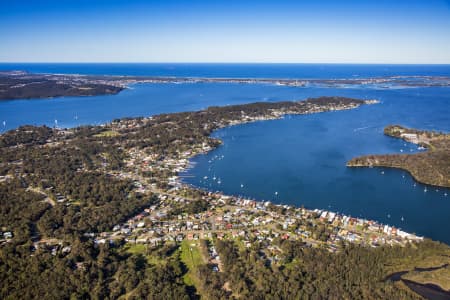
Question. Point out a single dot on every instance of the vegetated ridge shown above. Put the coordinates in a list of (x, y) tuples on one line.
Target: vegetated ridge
[(430, 167)]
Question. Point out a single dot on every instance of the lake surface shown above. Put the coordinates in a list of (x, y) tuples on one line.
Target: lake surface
[(303, 158), (300, 157), (139, 100)]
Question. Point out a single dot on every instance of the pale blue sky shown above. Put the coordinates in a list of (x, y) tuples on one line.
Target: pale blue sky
[(225, 31)]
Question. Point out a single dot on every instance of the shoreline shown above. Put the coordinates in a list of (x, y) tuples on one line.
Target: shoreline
[(26, 85), (273, 116), (176, 181), (430, 167), (165, 168), (117, 188), (179, 182)]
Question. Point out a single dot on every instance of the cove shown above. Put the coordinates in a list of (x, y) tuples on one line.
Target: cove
[(300, 160)]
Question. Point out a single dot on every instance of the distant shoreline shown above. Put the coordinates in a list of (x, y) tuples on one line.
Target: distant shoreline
[(23, 85)]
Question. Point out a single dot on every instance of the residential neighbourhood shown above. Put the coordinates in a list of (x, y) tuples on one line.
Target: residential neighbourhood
[(185, 213)]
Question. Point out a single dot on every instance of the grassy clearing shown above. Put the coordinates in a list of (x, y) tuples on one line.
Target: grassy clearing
[(135, 249), (142, 249), (191, 256), (108, 133)]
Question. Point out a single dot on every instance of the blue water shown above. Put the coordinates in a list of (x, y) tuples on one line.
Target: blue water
[(233, 70), (139, 100), (300, 157), (303, 159)]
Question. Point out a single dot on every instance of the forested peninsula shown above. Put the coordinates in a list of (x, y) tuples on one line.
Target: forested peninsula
[(98, 212), (430, 167), (22, 85)]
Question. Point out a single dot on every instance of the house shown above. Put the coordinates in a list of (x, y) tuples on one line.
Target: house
[(155, 241), (126, 231), (60, 198), (331, 217), (140, 224), (142, 240)]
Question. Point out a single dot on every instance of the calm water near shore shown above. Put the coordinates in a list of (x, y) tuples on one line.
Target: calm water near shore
[(302, 158), (139, 100)]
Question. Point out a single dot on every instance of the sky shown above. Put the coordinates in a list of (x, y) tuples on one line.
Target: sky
[(282, 31)]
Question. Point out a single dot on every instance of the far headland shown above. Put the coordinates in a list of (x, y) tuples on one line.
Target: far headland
[(430, 167), (23, 85)]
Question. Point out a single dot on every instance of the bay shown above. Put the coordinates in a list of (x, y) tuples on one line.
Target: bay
[(302, 158)]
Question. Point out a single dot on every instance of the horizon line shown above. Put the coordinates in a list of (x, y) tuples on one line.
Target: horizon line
[(219, 62)]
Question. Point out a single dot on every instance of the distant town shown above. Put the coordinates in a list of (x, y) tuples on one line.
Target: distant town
[(21, 84)]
